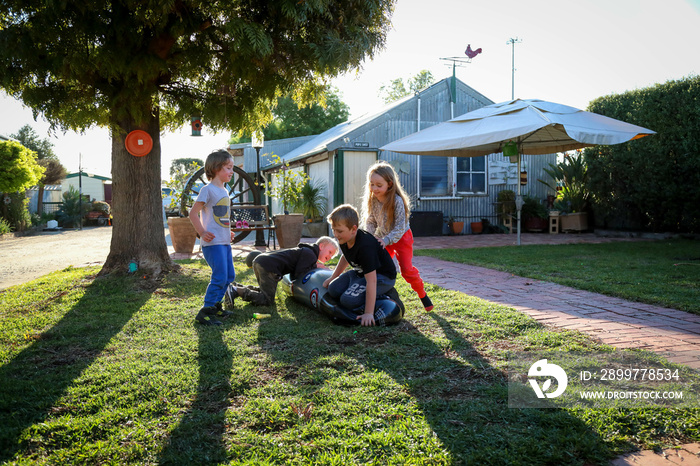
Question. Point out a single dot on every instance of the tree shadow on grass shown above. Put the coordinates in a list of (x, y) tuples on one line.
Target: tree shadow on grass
[(39, 375), (198, 438), (462, 397)]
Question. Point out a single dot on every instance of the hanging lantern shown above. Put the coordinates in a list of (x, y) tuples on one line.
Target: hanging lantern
[(523, 177), (196, 126)]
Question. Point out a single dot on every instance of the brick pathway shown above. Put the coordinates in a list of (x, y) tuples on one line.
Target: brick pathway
[(613, 321)]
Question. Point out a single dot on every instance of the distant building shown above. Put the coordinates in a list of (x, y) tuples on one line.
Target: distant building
[(98, 188)]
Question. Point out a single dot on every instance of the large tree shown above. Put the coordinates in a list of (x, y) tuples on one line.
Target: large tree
[(151, 65), (292, 119)]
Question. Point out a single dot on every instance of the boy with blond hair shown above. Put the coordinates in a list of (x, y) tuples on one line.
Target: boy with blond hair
[(270, 267)]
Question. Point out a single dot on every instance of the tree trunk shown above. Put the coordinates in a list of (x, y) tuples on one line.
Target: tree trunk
[(137, 233), (40, 200)]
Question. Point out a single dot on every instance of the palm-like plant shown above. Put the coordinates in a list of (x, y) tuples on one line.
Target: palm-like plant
[(312, 202), (72, 210), (570, 182)]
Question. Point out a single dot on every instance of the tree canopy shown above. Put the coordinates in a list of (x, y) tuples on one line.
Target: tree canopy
[(54, 171), (151, 65), (396, 89), (19, 169), (184, 165), (29, 138), (293, 120)]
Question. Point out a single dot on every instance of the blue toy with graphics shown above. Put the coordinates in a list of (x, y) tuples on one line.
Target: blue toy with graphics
[(309, 291)]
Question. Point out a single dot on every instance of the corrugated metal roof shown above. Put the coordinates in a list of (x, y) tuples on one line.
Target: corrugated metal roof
[(332, 139), (325, 141)]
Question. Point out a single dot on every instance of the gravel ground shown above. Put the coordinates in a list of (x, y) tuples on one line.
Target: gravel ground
[(26, 258)]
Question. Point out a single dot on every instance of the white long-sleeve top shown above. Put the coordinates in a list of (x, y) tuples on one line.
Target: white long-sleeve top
[(377, 221)]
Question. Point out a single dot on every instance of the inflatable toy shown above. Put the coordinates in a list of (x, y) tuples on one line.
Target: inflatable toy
[(309, 291)]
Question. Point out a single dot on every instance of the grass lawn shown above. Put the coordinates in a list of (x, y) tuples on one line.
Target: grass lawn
[(664, 273), (106, 371)]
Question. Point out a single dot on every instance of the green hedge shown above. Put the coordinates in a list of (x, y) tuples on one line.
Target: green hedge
[(653, 183)]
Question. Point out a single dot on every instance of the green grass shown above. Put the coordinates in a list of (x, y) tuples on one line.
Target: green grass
[(664, 273), (110, 371)]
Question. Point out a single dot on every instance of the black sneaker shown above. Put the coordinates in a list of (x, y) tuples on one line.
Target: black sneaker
[(427, 303), (221, 312), (205, 316), (230, 295)]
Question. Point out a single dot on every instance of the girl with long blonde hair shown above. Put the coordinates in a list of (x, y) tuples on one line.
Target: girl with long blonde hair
[(385, 212)]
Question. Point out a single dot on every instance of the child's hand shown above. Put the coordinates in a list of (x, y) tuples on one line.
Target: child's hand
[(207, 236), (366, 320), (326, 282), (233, 235), (381, 241), (321, 265)]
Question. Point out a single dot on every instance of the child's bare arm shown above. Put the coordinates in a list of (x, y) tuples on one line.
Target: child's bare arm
[(197, 223), (367, 319), (342, 265)]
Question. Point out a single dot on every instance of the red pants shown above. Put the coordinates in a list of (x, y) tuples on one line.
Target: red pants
[(403, 251)]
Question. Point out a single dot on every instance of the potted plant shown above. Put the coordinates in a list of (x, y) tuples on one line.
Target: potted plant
[(506, 208), (455, 226), (182, 233), (570, 182), (287, 188), (535, 215), (476, 227), (312, 204)]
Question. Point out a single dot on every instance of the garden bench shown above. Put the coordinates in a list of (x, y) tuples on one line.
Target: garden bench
[(256, 217)]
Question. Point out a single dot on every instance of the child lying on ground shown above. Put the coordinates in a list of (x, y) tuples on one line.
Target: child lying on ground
[(270, 267)]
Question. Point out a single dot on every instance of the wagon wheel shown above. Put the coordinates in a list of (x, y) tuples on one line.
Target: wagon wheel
[(242, 191)]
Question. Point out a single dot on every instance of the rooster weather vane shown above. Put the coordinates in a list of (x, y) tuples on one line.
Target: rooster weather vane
[(472, 53)]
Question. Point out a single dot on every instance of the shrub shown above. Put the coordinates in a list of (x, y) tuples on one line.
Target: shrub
[(650, 183), (5, 227), (72, 211), (101, 206), (14, 210)]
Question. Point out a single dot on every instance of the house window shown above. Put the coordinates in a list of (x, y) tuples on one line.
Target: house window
[(433, 176), (438, 175), (471, 175)]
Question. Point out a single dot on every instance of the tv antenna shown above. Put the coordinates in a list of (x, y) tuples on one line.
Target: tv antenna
[(512, 42), (456, 61)]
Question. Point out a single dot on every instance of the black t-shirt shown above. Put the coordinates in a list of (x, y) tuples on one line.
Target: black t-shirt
[(294, 261), (367, 254)]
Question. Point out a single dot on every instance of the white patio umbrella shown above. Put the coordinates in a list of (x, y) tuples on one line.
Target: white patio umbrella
[(535, 126)]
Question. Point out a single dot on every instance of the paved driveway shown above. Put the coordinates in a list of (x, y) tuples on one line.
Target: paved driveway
[(26, 258)]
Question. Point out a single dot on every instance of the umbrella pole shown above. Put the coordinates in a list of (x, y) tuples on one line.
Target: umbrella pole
[(519, 198)]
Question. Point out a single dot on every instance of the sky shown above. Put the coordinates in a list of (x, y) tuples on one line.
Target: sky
[(566, 52)]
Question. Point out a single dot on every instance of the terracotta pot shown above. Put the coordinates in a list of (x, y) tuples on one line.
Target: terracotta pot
[(574, 222), (456, 227), (288, 229), (477, 227), (182, 234)]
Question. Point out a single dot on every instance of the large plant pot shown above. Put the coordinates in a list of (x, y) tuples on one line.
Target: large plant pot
[(182, 234), (288, 228), (535, 224), (476, 227), (574, 222), (315, 229), (456, 228)]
